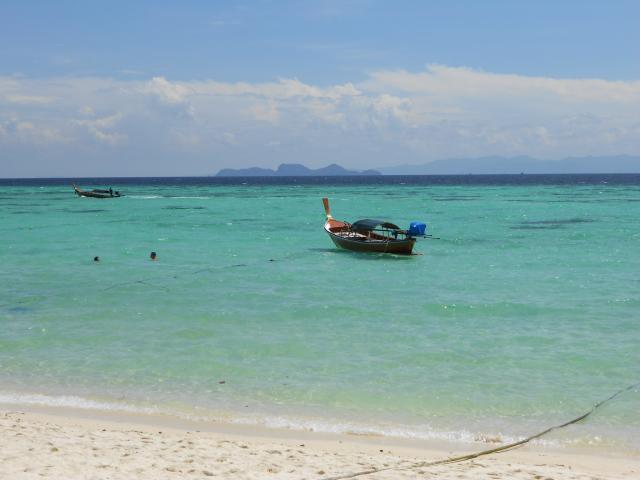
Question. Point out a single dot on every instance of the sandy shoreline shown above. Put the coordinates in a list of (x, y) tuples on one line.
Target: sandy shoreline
[(76, 444)]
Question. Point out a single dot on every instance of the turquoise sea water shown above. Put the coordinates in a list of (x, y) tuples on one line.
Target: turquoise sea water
[(524, 313)]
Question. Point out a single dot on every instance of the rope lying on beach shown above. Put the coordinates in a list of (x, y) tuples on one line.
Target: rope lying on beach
[(471, 456)]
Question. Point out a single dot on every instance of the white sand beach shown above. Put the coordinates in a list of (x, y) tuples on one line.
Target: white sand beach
[(73, 444)]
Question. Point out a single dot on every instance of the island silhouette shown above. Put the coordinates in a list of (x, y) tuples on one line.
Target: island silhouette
[(293, 170)]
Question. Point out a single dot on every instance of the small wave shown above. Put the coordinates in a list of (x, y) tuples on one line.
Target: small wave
[(417, 432), (198, 198), (72, 402), (93, 210), (294, 423), (421, 432), (177, 207)]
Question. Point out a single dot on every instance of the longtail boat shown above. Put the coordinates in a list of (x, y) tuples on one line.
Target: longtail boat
[(96, 193), (371, 235)]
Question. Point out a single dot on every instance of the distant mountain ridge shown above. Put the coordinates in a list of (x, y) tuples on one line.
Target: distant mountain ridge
[(522, 164), (292, 170), (459, 166)]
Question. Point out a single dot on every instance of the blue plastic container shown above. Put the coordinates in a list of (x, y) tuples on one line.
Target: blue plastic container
[(417, 229)]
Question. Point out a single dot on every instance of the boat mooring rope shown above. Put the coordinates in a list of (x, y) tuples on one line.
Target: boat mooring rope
[(471, 456)]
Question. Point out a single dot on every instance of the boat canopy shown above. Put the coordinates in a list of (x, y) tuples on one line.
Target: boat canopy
[(368, 224)]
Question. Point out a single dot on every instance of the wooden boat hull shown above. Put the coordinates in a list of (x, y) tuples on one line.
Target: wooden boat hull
[(357, 244), (93, 195), (85, 193)]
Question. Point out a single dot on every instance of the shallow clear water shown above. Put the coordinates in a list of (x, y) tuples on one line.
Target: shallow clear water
[(524, 313)]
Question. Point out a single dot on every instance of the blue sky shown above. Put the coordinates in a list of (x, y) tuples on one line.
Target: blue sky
[(187, 88)]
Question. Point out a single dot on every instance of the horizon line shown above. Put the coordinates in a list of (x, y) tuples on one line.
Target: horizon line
[(323, 176)]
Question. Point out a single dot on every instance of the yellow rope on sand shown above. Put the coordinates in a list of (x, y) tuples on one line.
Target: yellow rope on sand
[(471, 456)]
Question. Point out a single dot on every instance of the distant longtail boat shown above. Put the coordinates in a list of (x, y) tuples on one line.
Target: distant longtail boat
[(96, 193)]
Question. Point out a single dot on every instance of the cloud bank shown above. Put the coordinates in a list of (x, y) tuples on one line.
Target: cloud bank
[(76, 126)]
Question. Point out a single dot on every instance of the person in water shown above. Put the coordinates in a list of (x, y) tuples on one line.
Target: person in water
[(96, 259), (153, 256)]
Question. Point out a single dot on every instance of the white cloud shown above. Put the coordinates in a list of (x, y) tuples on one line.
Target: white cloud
[(87, 111), (230, 138), (285, 88), (187, 139), (456, 82), (29, 99), (267, 112), (14, 131), (324, 111), (390, 106), (392, 116), (99, 128), (166, 91), (103, 122), (109, 138)]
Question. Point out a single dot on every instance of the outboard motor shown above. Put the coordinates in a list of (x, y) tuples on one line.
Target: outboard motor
[(417, 229)]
